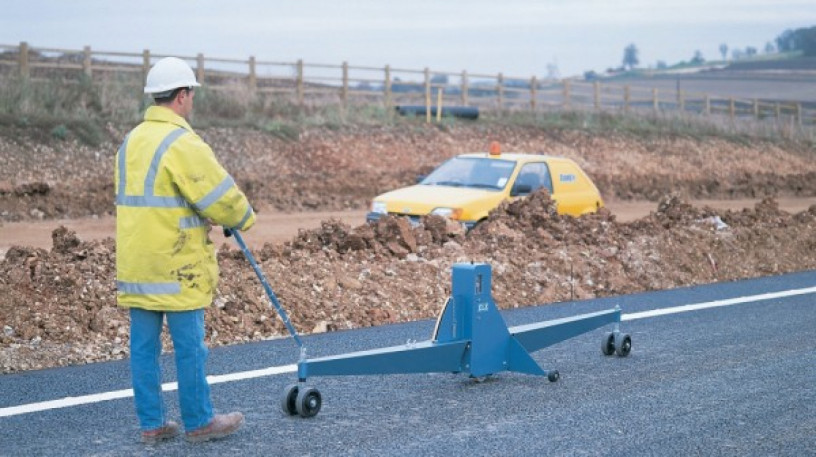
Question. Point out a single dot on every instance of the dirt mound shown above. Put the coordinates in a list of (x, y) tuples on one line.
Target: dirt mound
[(59, 305), (338, 169)]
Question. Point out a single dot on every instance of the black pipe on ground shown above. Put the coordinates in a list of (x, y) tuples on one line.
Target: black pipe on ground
[(461, 112)]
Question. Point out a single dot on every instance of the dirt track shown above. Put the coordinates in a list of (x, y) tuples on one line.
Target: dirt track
[(275, 227)]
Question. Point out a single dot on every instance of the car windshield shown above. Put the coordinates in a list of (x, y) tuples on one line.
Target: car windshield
[(476, 172)]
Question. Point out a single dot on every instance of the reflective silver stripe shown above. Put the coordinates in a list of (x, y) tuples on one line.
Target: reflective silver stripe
[(214, 194), (152, 201), (123, 166), (246, 216), (191, 222), (152, 288), (150, 179), (149, 199)]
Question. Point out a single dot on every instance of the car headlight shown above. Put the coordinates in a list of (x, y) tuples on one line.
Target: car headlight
[(450, 213), (379, 207)]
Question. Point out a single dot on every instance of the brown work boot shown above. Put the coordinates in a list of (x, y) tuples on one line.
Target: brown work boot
[(165, 432), (220, 426)]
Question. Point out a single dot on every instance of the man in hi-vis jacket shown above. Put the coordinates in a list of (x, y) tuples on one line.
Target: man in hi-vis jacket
[(169, 189)]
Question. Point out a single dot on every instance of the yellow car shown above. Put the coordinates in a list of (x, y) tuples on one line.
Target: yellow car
[(466, 187)]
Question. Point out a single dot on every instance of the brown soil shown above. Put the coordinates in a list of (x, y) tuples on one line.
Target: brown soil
[(57, 304)]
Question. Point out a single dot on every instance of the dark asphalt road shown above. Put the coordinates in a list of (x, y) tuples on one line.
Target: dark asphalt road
[(734, 381)]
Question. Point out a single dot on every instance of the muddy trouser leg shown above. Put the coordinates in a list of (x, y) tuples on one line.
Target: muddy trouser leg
[(187, 331)]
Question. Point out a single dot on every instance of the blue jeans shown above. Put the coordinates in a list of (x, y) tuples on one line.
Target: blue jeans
[(187, 333)]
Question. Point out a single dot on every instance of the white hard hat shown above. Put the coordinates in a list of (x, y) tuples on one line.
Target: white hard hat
[(168, 74)]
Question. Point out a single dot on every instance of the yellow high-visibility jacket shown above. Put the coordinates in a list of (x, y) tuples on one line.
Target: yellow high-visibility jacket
[(168, 186)]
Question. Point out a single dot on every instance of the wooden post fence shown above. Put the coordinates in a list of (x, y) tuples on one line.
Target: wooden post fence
[(427, 95), (253, 76), (655, 102), (82, 63), (24, 70), (200, 68), (464, 83), (387, 87), (299, 81), (86, 62), (344, 92), (145, 63), (500, 90), (627, 97), (566, 94), (732, 108), (596, 86), (533, 88)]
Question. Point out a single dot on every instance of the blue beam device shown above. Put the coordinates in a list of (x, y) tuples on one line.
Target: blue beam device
[(470, 337)]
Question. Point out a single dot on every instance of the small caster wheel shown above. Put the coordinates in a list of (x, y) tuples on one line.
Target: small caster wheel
[(308, 402), (290, 394), (608, 344), (623, 344), (553, 376)]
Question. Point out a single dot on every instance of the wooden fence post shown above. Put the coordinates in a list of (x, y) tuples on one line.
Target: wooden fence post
[(799, 114), (500, 90), (387, 86), (756, 109), (627, 97), (681, 100), (777, 111), (23, 60), (427, 95), (200, 68), (86, 62), (344, 92), (732, 109), (145, 64), (707, 107), (533, 95), (596, 86), (299, 81), (655, 102), (464, 88), (253, 76), (566, 103)]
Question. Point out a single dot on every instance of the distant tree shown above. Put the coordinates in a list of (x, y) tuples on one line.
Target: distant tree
[(769, 48), (698, 58), (786, 42), (661, 65), (590, 75), (803, 39), (807, 41), (750, 51), (724, 50), (630, 56)]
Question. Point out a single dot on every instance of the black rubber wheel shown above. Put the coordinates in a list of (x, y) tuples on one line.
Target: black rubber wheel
[(608, 344), (623, 344), (308, 402), (553, 376), (290, 394)]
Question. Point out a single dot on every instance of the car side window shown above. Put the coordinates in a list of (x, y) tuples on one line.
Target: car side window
[(536, 175)]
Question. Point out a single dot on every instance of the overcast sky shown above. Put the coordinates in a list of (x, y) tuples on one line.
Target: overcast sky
[(516, 37)]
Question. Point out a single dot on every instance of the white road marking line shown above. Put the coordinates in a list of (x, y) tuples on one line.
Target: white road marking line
[(126, 393), (716, 304), (271, 371)]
